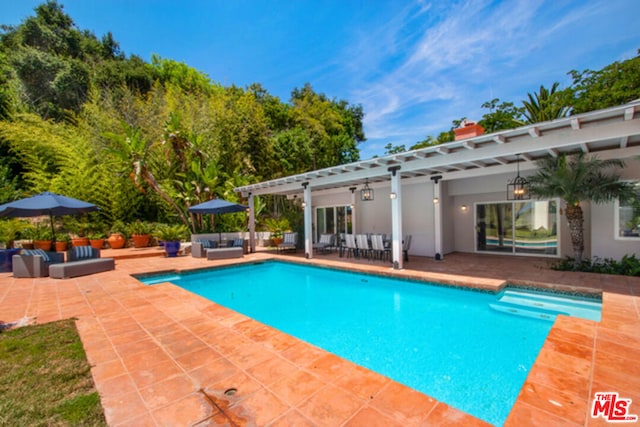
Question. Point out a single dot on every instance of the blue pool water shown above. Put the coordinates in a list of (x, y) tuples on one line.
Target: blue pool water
[(448, 343)]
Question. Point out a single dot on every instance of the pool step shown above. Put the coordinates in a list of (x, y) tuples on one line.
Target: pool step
[(163, 279), (545, 305), (520, 310)]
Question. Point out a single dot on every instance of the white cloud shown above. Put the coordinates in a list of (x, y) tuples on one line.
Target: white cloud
[(440, 63)]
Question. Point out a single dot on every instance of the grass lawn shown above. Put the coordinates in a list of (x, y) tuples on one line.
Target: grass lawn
[(45, 379)]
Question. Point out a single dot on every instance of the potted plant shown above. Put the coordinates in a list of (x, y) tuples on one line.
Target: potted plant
[(8, 232), (96, 239), (140, 233), (171, 235), (62, 242), (26, 236), (277, 227), (117, 235), (79, 228), (42, 237)]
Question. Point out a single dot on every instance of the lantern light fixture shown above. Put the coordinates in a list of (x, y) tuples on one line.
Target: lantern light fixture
[(518, 188), (366, 194)]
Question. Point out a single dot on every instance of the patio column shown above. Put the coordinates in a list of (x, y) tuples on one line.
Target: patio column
[(252, 225), (308, 233), (353, 211), (396, 218), (437, 216)]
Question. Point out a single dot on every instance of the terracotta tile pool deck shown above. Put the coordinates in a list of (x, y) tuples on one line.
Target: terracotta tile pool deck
[(162, 356)]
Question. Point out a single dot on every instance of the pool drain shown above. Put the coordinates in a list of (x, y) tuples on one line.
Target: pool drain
[(230, 391)]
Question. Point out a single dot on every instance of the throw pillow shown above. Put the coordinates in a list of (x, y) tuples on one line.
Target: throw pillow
[(238, 243), (82, 252), (41, 252), (206, 244)]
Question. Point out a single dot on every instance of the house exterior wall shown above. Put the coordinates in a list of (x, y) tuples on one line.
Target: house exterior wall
[(493, 189), (604, 241), (459, 225)]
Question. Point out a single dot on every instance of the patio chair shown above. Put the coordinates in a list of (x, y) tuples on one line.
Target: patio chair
[(35, 262), (289, 241), (364, 249), (350, 246), (406, 245), (377, 247), (325, 242)]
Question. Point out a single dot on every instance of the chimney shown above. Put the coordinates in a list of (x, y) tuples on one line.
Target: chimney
[(468, 129)]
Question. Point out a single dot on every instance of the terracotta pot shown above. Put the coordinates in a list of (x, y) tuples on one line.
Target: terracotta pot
[(80, 241), (116, 241), (45, 245), (27, 245), (276, 240), (96, 243), (141, 240), (61, 246)]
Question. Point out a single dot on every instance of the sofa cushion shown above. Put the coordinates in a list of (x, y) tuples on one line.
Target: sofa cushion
[(82, 252), (81, 267), (208, 244), (41, 252), (238, 243)]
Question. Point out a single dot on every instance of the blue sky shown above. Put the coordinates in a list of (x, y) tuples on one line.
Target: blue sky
[(414, 66)]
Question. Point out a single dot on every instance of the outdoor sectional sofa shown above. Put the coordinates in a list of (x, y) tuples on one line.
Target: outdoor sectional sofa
[(80, 260), (207, 246), (35, 263)]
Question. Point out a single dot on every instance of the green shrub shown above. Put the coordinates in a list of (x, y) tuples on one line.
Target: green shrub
[(629, 265), (171, 233)]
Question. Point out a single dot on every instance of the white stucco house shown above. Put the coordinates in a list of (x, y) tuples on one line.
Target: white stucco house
[(454, 197)]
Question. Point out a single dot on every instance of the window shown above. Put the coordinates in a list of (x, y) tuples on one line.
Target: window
[(517, 227), (628, 217)]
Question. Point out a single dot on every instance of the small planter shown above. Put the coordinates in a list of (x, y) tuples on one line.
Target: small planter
[(172, 248), (45, 245), (276, 240), (61, 246), (27, 245), (140, 240), (80, 241), (96, 243), (116, 241)]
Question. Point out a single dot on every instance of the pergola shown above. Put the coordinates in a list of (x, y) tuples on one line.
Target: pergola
[(610, 133)]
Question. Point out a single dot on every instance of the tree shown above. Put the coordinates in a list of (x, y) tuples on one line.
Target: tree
[(615, 84), (334, 127), (501, 116), (136, 152), (394, 149), (579, 179), (547, 104)]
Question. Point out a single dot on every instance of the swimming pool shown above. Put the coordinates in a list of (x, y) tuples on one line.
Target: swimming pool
[(447, 343)]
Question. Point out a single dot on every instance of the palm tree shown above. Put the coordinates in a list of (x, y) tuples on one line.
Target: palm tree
[(579, 179), (545, 105)]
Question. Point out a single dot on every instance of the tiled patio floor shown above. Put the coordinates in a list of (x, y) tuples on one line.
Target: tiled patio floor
[(163, 357)]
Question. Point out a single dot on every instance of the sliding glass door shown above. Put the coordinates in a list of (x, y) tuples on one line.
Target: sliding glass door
[(333, 220), (517, 227)]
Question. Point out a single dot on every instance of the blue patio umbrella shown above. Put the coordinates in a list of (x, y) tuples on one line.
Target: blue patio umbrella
[(46, 204), (217, 206)]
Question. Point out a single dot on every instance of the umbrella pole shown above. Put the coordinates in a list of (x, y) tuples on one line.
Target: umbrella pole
[(53, 231)]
